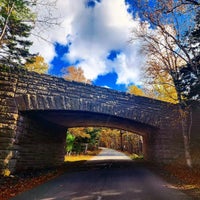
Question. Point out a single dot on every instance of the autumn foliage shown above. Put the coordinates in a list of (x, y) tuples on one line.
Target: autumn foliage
[(39, 65), (73, 73)]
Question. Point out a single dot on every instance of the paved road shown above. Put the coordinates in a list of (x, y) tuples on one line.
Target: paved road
[(110, 155), (109, 176)]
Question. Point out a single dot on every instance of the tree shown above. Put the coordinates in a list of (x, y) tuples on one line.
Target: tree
[(162, 32), (38, 65), (132, 143), (75, 138), (45, 17), (133, 89), (157, 90), (189, 76), (17, 22), (74, 74), (14, 31), (83, 138), (79, 132), (94, 137), (69, 142), (111, 138), (164, 89)]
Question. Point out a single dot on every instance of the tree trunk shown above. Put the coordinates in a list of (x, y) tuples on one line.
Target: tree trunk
[(6, 23), (186, 136)]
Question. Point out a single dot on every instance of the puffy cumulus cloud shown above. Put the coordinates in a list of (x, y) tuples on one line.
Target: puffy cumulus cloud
[(129, 64), (43, 47), (53, 26), (94, 29)]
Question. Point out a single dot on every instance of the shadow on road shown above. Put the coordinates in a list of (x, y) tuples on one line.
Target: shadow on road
[(109, 176), (104, 180)]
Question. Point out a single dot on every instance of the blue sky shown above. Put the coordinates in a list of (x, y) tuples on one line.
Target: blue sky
[(94, 35)]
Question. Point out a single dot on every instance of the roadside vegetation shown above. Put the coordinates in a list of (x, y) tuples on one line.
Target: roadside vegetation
[(82, 157), (84, 141), (136, 157), (180, 177)]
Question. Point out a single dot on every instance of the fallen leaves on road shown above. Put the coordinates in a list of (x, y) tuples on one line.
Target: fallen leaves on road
[(180, 177), (188, 178), (13, 185)]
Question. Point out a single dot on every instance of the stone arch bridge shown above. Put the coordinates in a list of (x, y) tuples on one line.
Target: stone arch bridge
[(36, 111)]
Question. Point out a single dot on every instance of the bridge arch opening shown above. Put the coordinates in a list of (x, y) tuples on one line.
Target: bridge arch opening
[(82, 140), (43, 140)]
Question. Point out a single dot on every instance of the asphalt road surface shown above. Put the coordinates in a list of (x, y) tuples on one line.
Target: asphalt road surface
[(109, 176)]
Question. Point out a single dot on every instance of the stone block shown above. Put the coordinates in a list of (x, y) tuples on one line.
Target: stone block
[(20, 102)]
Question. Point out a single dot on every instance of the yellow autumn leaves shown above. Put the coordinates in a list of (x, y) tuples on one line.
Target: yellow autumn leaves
[(39, 65)]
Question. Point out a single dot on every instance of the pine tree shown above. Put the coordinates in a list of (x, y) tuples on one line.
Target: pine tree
[(15, 27), (189, 76)]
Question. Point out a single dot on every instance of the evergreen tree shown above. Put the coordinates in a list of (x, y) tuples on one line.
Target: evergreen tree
[(16, 20), (189, 77)]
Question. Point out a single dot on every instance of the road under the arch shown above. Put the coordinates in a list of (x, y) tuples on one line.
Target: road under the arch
[(109, 176)]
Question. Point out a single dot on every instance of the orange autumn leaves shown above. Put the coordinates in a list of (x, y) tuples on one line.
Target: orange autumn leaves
[(75, 74)]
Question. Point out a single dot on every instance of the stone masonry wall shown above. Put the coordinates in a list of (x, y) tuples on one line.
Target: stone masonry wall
[(41, 144), (8, 121), (24, 140), (43, 92)]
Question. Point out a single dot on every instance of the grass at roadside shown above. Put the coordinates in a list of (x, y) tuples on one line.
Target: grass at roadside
[(75, 158), (136, 157)]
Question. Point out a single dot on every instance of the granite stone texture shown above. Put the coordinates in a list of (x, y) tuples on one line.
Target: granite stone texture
[(36, 110)]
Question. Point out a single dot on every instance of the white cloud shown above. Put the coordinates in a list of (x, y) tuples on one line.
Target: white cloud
[(129, 64), (93, 33)]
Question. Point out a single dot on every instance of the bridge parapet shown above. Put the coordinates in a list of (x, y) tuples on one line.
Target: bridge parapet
[(42, 92)]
